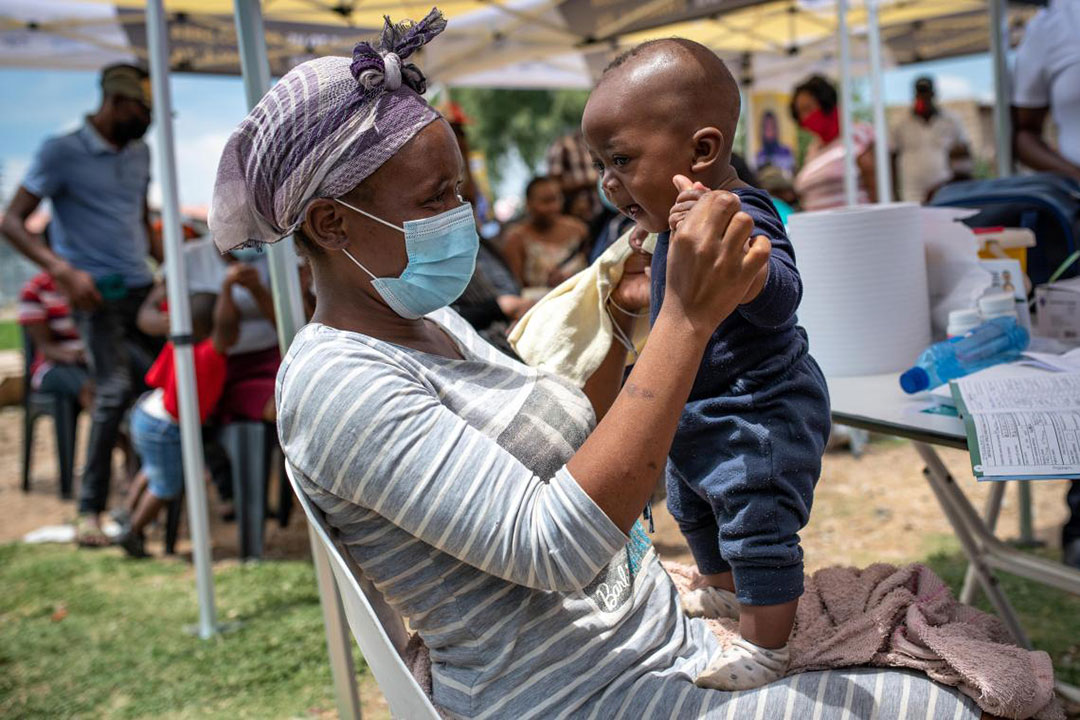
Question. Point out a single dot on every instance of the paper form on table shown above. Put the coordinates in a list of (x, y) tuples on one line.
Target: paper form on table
[(1021, 426), (1068, 362)]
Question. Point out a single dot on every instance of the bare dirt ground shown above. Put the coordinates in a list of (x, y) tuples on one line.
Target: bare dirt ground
[(876, 508)]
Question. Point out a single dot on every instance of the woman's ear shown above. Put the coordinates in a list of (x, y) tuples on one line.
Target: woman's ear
[(708, 147), (324, 225)]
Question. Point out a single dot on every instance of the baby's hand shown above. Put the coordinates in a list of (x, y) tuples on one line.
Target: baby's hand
[(689, 194), (637, 239)]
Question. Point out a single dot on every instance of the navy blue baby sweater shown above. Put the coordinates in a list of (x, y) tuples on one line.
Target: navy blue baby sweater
[(760, 340)]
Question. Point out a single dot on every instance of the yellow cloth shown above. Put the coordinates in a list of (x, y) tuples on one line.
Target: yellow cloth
[(569, 332)]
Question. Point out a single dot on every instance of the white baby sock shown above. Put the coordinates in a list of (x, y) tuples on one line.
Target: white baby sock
[(744, 666), (710, 602)]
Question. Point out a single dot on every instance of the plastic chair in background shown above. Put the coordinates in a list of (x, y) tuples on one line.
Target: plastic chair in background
[(378, 629), (172, 523), (63, 410), (250, 447)]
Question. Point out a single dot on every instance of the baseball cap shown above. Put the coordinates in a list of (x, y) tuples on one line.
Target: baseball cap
[(127, 81)]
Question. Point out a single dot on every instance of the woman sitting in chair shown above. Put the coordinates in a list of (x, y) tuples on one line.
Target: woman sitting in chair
[(494, 506)]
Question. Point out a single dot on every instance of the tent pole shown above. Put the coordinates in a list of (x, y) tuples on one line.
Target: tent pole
[(850, 178), (289, 311), (1002, 124), (882, 165), (180, 319), (751, 134)]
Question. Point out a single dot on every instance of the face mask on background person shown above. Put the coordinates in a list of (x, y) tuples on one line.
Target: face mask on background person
[(441, 252), (825, 125), (246, 254)]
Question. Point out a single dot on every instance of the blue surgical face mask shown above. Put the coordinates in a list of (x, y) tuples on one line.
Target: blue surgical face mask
[(441, 253), (246, 254)]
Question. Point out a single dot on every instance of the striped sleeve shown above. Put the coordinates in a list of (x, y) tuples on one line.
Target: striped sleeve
[(368, 432), (862, 137), (31, 308)]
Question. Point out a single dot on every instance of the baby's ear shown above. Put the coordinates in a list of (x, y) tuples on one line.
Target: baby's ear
[(709, 146)]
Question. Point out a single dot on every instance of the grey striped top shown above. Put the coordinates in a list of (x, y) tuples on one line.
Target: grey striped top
[(446, 479)]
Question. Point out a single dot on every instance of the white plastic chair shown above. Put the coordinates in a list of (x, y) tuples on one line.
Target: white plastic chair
[(378, 629)]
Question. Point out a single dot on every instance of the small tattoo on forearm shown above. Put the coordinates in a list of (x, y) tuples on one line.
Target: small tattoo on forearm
[(639, 392)]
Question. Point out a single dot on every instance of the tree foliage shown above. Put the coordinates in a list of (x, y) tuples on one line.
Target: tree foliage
[(528, 120)]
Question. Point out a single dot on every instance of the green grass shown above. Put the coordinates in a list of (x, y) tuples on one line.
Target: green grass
[(10, 335), (1050, 617), (121, 651)]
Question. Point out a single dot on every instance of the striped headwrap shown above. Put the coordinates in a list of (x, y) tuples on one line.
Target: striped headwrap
[(324, 127)]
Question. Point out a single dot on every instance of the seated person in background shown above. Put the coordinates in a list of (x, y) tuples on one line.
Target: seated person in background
[(59, 363), (254, 359), (581, 204), (747, 452), (781, 191), (545, 248), (155, 429)]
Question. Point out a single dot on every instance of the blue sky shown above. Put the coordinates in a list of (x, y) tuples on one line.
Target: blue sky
[(43, 103)]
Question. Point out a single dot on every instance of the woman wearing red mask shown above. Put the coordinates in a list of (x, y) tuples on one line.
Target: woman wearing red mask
[(820, 182)]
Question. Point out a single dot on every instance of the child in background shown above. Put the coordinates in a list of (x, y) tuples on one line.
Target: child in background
[(59, 362), (155, 429), (747, 454)]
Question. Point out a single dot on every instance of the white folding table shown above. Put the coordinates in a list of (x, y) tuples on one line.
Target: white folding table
[(876, 403)]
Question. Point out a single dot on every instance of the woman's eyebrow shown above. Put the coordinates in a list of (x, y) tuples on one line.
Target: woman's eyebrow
[(431, 186)]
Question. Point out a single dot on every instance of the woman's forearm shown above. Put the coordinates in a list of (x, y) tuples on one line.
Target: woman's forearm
[(620, 462)]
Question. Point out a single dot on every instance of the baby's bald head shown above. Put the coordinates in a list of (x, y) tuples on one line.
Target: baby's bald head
[(682, 79), (665, 108)]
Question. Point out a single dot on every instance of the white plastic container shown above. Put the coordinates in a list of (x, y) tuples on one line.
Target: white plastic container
[(961, 322), (997, 305)]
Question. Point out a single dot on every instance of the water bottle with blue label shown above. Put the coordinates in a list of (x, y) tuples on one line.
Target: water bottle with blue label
[(994, 342)]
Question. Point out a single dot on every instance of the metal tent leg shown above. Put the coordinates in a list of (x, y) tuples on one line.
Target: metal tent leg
[(986, 553), (990, 517), (944, 486)]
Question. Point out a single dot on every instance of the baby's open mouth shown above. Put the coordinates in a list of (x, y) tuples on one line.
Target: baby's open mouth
[(632, 211)]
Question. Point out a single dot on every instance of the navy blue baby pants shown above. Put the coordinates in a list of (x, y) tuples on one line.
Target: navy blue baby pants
[(741, 477)]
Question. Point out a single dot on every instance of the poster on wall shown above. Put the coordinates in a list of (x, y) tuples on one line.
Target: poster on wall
[(773, 136)]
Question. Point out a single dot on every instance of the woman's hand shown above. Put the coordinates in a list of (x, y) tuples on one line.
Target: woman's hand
[(712, 262), (244, 275), (632, 292)]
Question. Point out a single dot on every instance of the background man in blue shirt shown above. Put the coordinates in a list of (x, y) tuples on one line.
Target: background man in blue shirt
[(96, 179)]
